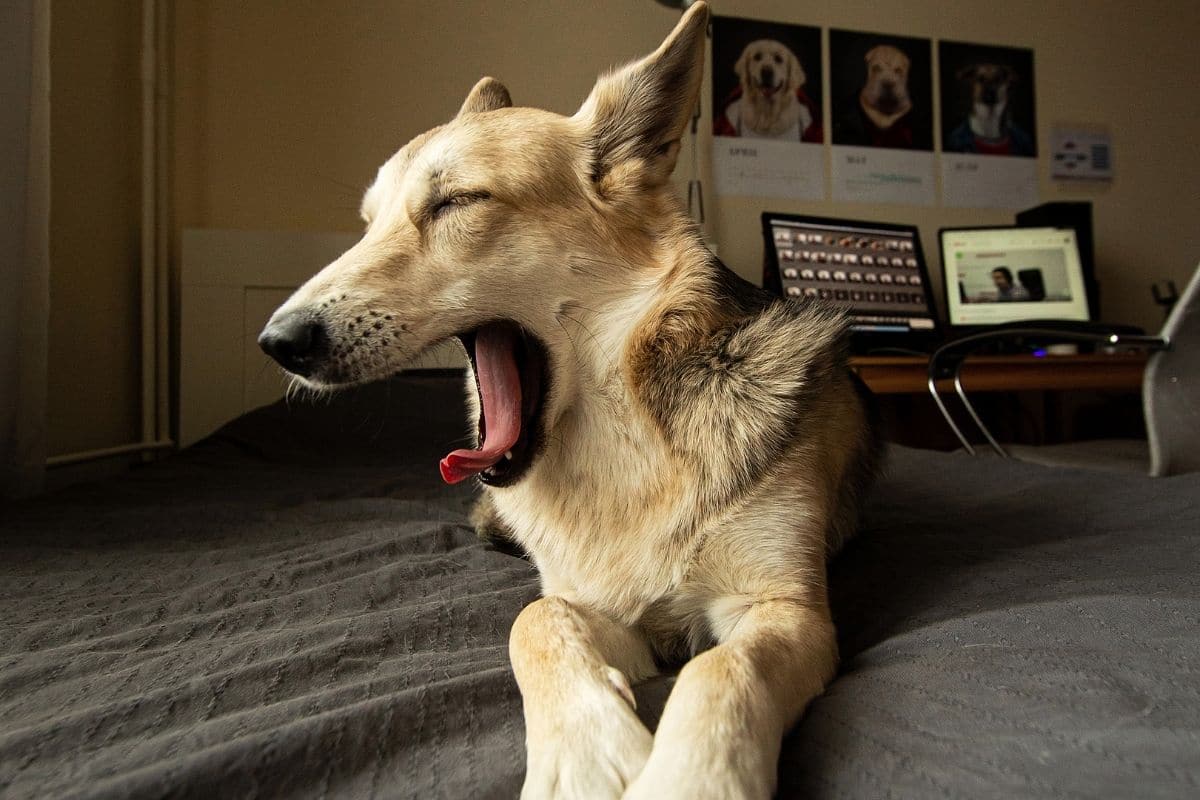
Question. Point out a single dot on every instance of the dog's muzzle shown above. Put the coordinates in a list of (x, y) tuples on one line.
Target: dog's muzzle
[(767, 82), (297, 340)]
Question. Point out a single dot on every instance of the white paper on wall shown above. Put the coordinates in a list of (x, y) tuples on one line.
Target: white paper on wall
[(882, 175), (974, 181), (1081, 154), (768, 168)]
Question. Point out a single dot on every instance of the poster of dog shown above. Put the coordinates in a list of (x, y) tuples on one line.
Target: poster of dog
[(768, 124), (987, 100), (766, 80), (882, 90)]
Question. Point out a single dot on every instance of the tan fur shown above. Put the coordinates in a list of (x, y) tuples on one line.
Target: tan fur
[(705, 445)]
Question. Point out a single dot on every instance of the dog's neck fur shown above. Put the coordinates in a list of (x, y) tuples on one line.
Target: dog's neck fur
[(606, 459), (878, 118), (989, 122), (603, 464), (684, 411)]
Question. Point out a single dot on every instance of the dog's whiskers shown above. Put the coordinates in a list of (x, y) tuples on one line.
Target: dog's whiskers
[(293, 389), (603, 352), (567, 333)]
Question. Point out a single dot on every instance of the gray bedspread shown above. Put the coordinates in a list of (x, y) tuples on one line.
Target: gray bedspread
[(295, 607)]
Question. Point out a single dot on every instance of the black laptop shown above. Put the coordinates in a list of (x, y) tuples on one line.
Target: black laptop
[(875, 271)]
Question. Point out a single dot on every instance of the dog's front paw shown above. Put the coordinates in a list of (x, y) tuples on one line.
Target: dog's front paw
[(653, 783), (704, 767), (592, 750)]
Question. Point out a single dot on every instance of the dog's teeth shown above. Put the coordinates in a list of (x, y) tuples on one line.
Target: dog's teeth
[(508, 456)]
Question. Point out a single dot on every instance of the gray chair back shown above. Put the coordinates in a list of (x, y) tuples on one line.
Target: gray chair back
[(1171, 389)]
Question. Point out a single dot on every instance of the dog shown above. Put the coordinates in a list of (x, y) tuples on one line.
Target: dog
[(677, 451), (988, 128), (881, 114), (884, 97), (769, 101)]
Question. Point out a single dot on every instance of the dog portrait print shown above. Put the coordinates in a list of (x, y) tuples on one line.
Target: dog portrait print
[(766, 80), (987, 100), (882, 90)]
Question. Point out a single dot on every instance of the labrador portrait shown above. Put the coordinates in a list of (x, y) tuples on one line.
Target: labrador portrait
[(771, 94)]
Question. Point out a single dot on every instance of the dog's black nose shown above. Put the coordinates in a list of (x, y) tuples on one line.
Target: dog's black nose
[(296, 340), (768, 77)]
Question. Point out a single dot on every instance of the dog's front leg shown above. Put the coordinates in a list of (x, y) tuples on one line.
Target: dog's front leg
[(574, 667), (720, 732)]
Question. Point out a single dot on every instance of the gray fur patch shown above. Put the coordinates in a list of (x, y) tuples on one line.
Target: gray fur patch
[(732, 400)]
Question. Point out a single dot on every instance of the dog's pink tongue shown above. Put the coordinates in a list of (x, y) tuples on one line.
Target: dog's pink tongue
[(500, 385)]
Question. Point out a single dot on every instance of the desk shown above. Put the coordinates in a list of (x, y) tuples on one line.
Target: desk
[(908, 374)]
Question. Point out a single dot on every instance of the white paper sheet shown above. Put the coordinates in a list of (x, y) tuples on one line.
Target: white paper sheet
[(975, 181), (768, 168), (882, 175)]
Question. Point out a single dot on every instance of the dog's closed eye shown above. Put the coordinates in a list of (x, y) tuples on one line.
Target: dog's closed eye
[(440, 206)]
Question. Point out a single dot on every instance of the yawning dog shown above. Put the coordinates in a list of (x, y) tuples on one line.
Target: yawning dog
[(677, 451)]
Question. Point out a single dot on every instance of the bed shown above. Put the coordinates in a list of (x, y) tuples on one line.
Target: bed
[(295, 606)]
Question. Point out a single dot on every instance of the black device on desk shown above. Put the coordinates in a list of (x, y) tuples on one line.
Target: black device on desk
[(874, 271)]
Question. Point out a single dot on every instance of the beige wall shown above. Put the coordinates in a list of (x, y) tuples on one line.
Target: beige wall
[(93, 359), (286, 109)]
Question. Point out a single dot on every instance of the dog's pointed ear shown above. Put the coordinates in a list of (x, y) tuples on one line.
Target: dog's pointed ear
[(487, 95), (636, 115)]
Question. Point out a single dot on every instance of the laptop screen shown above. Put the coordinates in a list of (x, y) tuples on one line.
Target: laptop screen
[(998, 275), (874, 271)]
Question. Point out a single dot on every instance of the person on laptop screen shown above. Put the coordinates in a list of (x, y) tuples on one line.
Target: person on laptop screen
[(1006, 290)]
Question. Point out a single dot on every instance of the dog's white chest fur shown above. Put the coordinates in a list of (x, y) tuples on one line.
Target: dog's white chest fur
[(605, 512), (751, 122), (988, 121)]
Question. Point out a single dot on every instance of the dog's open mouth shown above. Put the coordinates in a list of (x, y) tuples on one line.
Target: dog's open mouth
[(768, 89), (510, 376)]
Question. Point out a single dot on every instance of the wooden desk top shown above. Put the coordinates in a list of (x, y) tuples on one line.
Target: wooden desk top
[(908, 374)]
